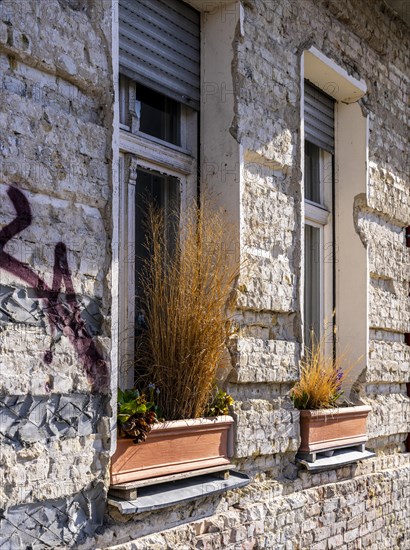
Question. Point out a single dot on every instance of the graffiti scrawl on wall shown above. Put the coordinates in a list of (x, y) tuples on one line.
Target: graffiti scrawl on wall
[(63, 316)]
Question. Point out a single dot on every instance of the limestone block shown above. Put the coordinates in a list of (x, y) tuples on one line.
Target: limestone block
[(388, 255), (79, 227), (65, 47), (264, 428), (389, 305), (71, 154), (388, 362), (260, 360), (390, 411), (317, 516)]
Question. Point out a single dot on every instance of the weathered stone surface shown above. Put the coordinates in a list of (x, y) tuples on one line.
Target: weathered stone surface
[(85, 62), (389, 305), (26, 419), (388, 256), (390, 410), (57, 523), (390, 194), (352, 503), (269, 223), (22, 306), (56, 110), (259, 360), (389, 361), (265, 427)]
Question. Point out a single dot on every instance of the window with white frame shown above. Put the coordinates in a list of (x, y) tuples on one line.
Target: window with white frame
[(159, 89), (319, 205), (346, 254)]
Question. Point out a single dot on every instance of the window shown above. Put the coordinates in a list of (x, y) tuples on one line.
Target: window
[(158, 95), (149, 113), (330, 93), (158, 105), (319, 198)]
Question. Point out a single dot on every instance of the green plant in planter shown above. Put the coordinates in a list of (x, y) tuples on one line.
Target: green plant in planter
[(219, 405), (186, 291), (136, 414), (321, 377)]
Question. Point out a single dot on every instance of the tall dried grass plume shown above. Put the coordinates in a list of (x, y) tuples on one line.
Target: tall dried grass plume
[(186, 292)]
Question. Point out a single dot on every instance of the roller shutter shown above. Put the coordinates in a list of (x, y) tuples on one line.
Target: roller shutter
[(159, 47), (319, 118)]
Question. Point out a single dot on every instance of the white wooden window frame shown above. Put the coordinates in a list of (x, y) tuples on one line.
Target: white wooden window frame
[(220, 22), (319, 215), (351, 181), (138, 150), (130, 108)]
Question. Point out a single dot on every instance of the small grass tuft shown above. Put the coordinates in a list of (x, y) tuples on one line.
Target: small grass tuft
[(321, 377)]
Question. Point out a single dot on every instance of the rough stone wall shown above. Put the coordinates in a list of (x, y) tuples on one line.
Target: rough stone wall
[(364, 506), (55, 229), (373, 47), (55, 146), (360, 506)]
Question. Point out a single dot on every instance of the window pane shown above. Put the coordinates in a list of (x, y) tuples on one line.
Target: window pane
[(312, 282), (160, 116), (163, 192), (312, 172)]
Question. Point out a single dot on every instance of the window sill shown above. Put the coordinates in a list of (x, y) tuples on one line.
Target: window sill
[(340, 457), (155, 494)]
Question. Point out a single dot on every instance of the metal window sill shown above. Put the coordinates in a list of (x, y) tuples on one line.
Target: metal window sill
[(165, 494)]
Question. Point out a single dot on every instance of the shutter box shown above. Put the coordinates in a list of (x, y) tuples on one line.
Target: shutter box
[(159, 47)]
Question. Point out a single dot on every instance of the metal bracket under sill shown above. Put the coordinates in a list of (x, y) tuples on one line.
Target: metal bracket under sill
[(340, 457), (157, 493)]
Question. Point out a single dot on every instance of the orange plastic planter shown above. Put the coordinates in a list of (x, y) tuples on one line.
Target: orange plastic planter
[(174, 447), (333, 428)]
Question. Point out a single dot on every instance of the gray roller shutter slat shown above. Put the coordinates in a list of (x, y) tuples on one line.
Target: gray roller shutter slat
[(157, 36), (148, 76), (176, 12), (159, 47), (319, 118), (154, 15), (182, 9), (322, 118), (146, 55)]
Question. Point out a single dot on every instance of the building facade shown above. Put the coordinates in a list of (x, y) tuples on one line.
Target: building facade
[(295, 115)]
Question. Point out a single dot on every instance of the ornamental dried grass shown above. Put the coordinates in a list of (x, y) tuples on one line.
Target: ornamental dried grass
[(321, 377), (186, 290)]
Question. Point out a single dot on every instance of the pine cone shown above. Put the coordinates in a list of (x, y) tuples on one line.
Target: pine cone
[(138, 427)]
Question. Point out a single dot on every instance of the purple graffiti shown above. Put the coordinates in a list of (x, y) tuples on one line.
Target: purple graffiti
[(63, 316)]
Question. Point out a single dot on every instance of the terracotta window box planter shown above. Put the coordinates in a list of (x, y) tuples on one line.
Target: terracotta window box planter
[(329, 429), (174, 447)]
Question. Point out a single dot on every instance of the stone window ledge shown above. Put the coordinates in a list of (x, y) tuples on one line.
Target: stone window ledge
[(340, 457), (156, 494)]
